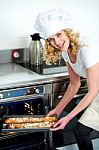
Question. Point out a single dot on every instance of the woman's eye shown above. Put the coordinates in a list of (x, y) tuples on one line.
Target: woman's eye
[(59, 34), (51, 40)]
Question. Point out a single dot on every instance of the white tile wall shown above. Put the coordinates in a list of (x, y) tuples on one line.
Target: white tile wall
[(17, 18), (13, 32), (2, 29)]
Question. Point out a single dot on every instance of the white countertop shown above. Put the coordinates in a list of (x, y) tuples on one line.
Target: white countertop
[(11, 74)]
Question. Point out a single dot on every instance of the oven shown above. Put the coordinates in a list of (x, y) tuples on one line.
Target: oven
[(35, 98), (59, 87), (22, 92), (26, 101)]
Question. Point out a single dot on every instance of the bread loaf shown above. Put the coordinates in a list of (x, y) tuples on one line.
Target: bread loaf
[(31, 125), (30, 120)]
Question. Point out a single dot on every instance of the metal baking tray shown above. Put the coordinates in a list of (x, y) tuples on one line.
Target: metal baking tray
[(25, 130), (5, 129)]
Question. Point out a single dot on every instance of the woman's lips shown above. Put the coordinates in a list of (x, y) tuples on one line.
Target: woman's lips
[(61, 46)]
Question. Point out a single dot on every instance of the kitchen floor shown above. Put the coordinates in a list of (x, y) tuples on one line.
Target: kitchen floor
[(74, 146)]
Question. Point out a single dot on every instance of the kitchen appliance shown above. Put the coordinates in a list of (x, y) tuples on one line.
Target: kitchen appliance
[(23, 91), (23, 101), (36, 50)]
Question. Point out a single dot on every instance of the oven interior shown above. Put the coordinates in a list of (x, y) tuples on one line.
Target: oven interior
[(23, 140)]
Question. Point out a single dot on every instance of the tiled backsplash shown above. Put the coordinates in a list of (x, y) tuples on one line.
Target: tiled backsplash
[(6, 55), (13, 33), (17, 19)]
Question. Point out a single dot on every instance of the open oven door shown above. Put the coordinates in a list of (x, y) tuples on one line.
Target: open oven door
[(29, 105)]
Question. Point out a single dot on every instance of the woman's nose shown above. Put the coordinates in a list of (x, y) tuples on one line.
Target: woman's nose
[(57, 41)]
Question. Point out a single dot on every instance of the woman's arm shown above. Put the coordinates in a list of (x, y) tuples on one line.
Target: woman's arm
[(93, 90), (71, 90)]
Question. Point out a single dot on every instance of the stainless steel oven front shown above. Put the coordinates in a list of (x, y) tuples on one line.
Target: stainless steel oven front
[(29, 100)]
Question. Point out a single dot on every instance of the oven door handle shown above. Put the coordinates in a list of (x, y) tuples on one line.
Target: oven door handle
[(76, 96), (79, 95), (20, 98)]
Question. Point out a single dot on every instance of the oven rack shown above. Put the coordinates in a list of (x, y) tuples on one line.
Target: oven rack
[(12, 135)]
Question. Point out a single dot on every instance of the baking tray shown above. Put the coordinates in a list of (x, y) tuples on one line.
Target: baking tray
[(5, 129), (26, 130)]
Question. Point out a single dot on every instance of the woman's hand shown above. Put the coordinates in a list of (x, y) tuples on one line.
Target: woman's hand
[(53, 112), (60, 124)]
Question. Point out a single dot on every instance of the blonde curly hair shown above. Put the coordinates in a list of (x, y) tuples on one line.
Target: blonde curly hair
[(51, 54)]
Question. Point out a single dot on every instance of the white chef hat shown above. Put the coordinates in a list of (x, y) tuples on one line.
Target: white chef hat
[(52, 21)]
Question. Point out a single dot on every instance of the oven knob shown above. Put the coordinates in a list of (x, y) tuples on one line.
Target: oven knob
[(1, 96), (15, 54), (37, 91), (60, 96)]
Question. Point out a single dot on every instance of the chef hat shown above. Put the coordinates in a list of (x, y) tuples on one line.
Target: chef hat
[(52, 21)]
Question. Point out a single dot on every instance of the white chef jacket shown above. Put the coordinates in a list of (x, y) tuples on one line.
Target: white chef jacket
[(87, 56)]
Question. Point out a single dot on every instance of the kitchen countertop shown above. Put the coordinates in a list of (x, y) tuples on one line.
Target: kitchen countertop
[(14, 75)]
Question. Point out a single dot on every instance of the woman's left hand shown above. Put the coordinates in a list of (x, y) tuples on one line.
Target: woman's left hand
[(60, 124)]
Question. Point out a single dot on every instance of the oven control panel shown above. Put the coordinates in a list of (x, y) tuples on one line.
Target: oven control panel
[(17, 92), (20, 101)]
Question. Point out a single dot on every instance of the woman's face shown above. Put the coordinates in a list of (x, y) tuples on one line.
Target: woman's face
[(59, 40)]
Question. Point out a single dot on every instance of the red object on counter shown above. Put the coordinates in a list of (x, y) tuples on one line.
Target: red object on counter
[(15, 54)]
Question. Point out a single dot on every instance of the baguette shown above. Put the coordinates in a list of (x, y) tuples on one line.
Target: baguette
[(30, 125), (30, 120)]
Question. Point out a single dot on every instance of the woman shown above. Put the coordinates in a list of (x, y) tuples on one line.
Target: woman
[(81, 55)]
